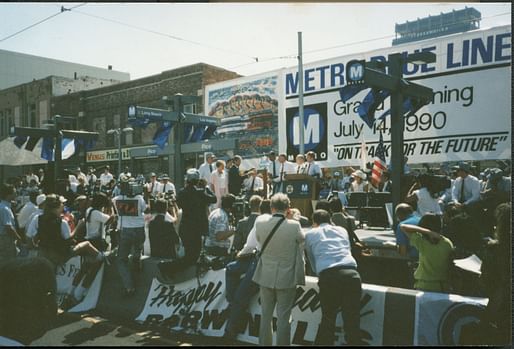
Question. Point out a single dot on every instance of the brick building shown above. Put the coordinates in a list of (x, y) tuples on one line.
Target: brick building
[(106, 108)]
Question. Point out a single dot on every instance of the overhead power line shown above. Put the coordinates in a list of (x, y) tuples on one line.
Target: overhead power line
[(174, 37), (63, 9)]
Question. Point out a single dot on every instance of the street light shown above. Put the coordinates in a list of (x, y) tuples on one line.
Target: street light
[(118, 132)]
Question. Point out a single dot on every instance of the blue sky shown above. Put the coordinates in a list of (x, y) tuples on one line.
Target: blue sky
[(225, 35)]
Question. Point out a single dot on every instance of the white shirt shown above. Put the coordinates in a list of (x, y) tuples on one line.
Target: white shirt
[(94, 227), (164, 188), (257, 185), (32, 177), (277, 168), (105, 178), (25, 213), (312, 169), (83, 176), (355, 187), (152, 190), (471, 189), (300, 169), (137, 204), (91, 178), (283, 169), (426, 203), (219, 181), (205, 171), (125, 174), (33, 228), (251, 240)]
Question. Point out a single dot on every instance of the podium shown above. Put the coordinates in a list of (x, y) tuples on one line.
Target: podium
[(301, 190)]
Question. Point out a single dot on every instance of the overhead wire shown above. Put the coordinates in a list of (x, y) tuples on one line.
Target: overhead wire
[(63, 9), (254, 59)]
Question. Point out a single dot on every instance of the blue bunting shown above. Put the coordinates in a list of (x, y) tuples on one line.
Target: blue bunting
[(347, 92), (19, 141), (47, 149), (161, 135), (369, 105)]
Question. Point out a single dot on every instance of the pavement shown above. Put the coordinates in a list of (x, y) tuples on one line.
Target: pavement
[(72, 329)]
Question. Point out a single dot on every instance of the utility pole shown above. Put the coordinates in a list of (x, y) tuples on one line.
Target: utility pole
[(300, 96), (179, 139)]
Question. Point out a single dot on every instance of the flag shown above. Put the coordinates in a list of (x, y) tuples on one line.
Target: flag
[(369, 105), (209, 132), (410, 106), (364, 158), (347, 92), (379, 165), (48, 149), (161, 135)]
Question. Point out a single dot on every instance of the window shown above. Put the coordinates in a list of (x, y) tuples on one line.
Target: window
[(32, 115), (190, 108)]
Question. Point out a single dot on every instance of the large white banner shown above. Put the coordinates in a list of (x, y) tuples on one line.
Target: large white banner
[(65, 274), (468, 119), (200, 305)]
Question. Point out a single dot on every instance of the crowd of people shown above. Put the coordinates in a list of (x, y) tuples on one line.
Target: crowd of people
[(271, 248)]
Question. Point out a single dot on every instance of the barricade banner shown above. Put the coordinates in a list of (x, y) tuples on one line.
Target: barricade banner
[(442, 317), (200, 305), (65, 274)]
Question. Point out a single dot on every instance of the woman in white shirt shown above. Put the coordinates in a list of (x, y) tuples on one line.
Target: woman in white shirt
[(219, 181), (426, 199)]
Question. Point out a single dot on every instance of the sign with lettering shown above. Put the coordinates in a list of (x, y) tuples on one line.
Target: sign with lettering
[(468, 118), (112, 154)]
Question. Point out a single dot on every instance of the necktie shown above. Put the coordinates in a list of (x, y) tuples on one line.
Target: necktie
[(253, 183), (298, 169), (151, 189), (461, 199), (210, 167), (282, 173), (308, 168), (274, 170)]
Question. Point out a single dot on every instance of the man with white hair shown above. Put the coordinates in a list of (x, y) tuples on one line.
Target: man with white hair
[(279, 270), (207, 167)]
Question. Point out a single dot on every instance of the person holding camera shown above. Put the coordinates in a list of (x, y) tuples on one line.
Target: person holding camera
[(220, 230), (193, 199), (130, 207), (426, 196), (166, 186), (161, 232)]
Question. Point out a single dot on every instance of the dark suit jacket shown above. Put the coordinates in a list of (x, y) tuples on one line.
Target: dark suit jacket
[(234, 181), (243, 229)]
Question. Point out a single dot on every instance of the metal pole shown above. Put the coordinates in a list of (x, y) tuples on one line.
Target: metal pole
[(179, 139), (395, 63), (119, 152), (58, 152), (300, 95)]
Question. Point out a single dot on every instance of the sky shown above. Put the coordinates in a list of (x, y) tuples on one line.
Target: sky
[(145, 39)]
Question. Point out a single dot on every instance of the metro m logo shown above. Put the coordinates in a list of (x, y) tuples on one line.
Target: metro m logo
[(356, 72), (314, 130), (310, 132)]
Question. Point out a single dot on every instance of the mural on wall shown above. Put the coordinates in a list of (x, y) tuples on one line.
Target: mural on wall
[(248, 111)]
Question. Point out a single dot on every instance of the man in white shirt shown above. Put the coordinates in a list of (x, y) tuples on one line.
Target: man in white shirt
[(285, 167), (466, 188), (300, 164), (131, 222), (273, 167), (27, 210), (254, 183), (91, 177), (312, 168), (106, 177), (207, 167), (80, 174), (152, 187), (126, 173), (166, 185)]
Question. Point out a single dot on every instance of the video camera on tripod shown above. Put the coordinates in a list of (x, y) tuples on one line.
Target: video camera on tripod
[(130, 188)]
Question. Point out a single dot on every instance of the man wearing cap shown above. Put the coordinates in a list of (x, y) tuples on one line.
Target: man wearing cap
[(253, 184), (166, 186), (359, 183), (273, 168), (126, 173), (466, 188), (152, 187), (28, 209), (207, 167)]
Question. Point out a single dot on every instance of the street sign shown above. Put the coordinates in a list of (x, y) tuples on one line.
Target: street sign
[(195, 119), (355, 72), (151, 114)]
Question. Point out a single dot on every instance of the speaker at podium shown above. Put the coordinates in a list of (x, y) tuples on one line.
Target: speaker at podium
[(301, 190)]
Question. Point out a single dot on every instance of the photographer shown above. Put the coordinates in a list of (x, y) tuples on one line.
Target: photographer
[(217, 242), (426, 197), (166, 186), (193, 199), (161, 232), (130, 207)]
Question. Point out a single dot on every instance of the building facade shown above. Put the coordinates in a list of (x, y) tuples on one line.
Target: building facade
[(106, 108)]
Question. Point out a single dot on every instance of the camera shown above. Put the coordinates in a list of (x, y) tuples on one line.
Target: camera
[(170, 196), (240, 208), (131, 189)]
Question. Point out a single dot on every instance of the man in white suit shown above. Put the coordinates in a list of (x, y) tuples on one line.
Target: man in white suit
[(279, 270)]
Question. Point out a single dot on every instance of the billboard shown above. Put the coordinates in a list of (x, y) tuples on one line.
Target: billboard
[(468, 118), (248, 108)]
